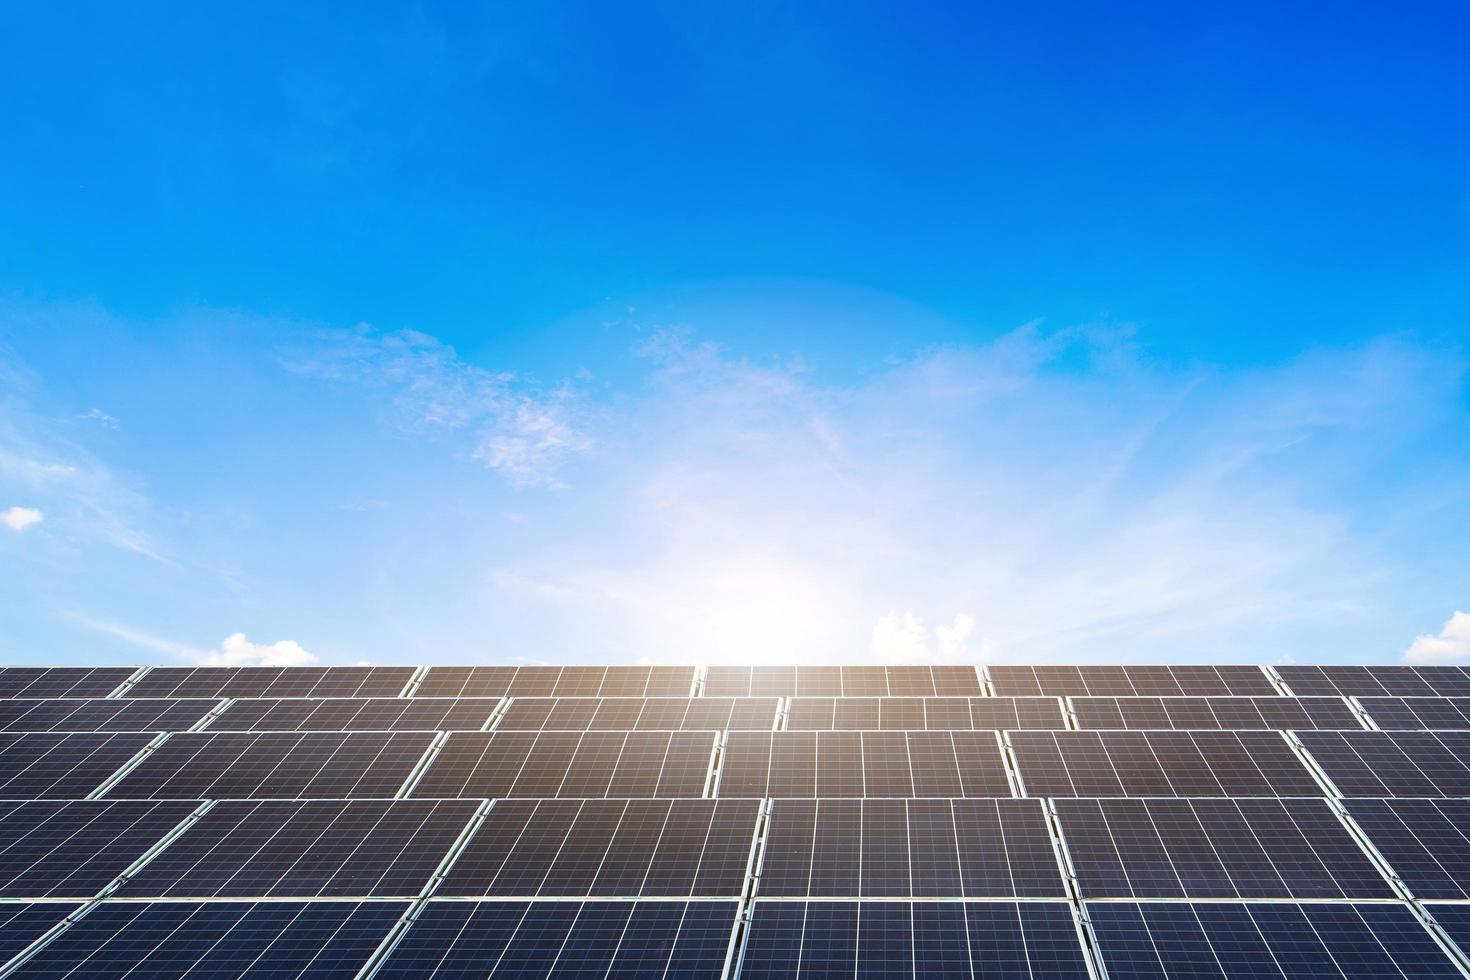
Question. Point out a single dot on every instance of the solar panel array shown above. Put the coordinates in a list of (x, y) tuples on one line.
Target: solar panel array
[(735, 822)]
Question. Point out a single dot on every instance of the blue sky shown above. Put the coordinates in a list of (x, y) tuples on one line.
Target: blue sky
[(751, 332)]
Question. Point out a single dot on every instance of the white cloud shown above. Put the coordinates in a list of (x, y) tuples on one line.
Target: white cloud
[(903, 638), (101, 418), (1451, 643), (237, 651), (20, 518)]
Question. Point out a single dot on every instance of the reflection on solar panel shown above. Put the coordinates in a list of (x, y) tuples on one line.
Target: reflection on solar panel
[(1426, 842), (591, 682), (573, 764), (1370, 681), (918, 848), (218, 939), (275, 765), (102, 715), (1218, 713), (61, 767), (1001, 940), (1129, 681), (1215, 849), (836, 682), (608, 847), (61, 682), (527, 940), (1160, 764), (853, 764), (1417, 714), (316, 849), (1393, 763), (272, 682), (1285, 941), (356, 714), (639, 714), (74, 850), (934, 714)]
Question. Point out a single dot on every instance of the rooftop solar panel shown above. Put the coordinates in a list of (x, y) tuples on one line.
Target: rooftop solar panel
[(1237, 713), (217, 939), (539, 681), (900, 681), (1393, 763), (1418, 714), (1161, 764), (1284, 941), (22, 923), (650, 940), (570, 764), (76, 849), (306, 849), (48, 766), (275, 765), (1360, 681), (1426, 842), (646, 848), (61, 682), (356, 714), (102, 714), (934, 714), (1215, 849), (639, 714), (909, 848), (979, 940), (271, 682), (857, 764), (1111, 681)]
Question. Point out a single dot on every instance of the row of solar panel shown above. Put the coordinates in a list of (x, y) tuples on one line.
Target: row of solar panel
[(367, 765), (708, 713), (644, 681), (696, 940)]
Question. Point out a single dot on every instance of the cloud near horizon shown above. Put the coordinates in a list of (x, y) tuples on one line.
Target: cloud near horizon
[(1451, 643)]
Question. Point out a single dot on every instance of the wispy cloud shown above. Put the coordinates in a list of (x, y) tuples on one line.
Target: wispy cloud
[(1451, 643), (20, 518)]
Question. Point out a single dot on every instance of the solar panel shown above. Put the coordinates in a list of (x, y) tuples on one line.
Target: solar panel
[(570, 764), (1215, 849), (218, 939), (1358, 681), (1109, 681), (275, 765), (909, 848), (1393, 763), (76, 849), (856, 764), (306, 849), (47, 766), (1454, 920), (528, 940), (356, 714), (647, 848), (900, 681), (61, 682), (271, 682), (1161, 764), (22, 923), (1278, 940), (980, 940), (101, 715), (1426, 842), (639, 714), (933, 714), (537, 681), (1186, 713), (1418, 714)]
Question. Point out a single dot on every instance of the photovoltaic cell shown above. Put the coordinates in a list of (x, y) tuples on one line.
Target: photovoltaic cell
[(1284, 941), (538, 681), (1455, 921), (217, 939), (650, 848), (356, 714), (1161, 764), (570, 764), (1358, 681), (1215, 849), (22, 923), (1393, 763), (909, 848), (275, 765), (535, 940), (102, 714), (639, 714), (1188, 713), (901, 681), (932, 714), (1108, 681), (313, 849), (979, 940), (1426, 842), (858, 764), (61, 682), (74, 850), (1418, 714), (271, 682), (49, 766)]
